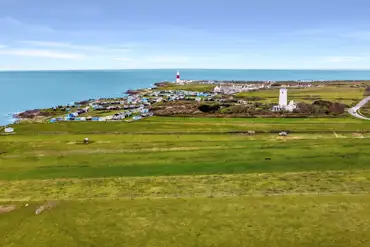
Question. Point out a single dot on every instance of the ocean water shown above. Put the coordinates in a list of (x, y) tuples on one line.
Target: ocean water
[(26, 90)]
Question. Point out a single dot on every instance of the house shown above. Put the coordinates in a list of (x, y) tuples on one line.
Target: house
[(9, 130), (116, 107)]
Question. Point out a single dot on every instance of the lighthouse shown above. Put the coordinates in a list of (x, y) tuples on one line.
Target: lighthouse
[(283, 97), (178, 80)]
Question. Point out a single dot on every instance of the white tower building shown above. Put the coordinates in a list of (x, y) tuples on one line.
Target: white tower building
[(178, 80), (283, 98)]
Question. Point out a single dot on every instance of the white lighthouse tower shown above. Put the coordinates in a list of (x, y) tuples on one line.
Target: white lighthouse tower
[(283, 97), (178, 80)]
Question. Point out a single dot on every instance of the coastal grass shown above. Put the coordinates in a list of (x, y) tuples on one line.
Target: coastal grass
[(211, 186), (187, 182), (343, 93), (365, 110), (64, 156), (173, 125), (335, 220)]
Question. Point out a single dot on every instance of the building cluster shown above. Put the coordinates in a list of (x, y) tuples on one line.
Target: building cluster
[(283, 102), (131, 106), (234, 89), (173, 95), (298, 85)]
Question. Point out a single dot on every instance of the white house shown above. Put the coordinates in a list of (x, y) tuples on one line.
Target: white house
[(283, 102)]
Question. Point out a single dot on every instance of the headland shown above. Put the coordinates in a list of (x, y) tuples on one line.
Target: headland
[(187, 163)]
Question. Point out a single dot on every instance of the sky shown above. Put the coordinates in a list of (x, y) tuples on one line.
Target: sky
[(218, 34)]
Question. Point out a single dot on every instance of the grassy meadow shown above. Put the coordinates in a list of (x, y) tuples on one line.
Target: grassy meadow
[(187, 182), (335, 93)]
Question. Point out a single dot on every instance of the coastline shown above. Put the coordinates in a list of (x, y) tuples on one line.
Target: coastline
[(200, 86), (48, 88)]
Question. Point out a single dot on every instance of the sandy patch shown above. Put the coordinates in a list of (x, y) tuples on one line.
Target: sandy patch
[(358, 135), (46, 206), (6, 209)]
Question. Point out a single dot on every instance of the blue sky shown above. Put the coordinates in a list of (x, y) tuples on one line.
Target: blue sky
[(129, 34)]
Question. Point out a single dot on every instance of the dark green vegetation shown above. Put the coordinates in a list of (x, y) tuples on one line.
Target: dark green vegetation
[(187, 182)]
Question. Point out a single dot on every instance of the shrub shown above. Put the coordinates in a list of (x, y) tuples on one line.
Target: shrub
[(336, 108), (254, 98), (303, 107), (367, 91), (209, 108), (239, 109)]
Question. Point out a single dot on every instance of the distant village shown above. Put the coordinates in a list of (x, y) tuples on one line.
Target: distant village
[(142, 103)]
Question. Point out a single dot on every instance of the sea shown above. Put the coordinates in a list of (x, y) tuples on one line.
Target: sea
[(26, 90)]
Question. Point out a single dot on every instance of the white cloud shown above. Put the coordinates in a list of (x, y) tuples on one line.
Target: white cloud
[(12, 25), (53, 44), (41, 53), (168, 59), (123, 59), (245, 41), (119, 50), (360, 35), (61, 45), (342, 59), (307, 32)]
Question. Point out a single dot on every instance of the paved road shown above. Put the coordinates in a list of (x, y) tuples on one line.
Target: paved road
[(353, 110)]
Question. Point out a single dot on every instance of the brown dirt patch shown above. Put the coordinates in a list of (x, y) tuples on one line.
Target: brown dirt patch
[(46, 206), (7, 209), (358, 135)]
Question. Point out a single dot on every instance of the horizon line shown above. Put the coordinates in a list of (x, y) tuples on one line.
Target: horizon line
[(285, 69)]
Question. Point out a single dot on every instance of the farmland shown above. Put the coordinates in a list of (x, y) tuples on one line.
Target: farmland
[(339, 93), (187, 182)]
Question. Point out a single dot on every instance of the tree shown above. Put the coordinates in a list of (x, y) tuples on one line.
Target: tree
[(209, 108), (336, 108), (367, 91), (303, 107)]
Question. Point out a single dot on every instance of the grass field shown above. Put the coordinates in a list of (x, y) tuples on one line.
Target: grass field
[(187, 182), (343, 93), (173, 125)]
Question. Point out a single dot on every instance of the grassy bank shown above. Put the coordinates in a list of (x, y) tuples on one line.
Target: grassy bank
[(187, 182), (336, 220), (64, 156), (174, 125)]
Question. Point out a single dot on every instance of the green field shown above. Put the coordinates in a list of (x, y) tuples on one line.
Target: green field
[(187, 182), (173, 125), (343, 93)]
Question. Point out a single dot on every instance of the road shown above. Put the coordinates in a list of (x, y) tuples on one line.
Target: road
[(354, 110)]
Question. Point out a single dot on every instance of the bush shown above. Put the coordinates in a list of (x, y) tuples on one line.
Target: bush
[(209, 108), (303, 107), (239, 109), (367, 91), (337, 108), (254, 98), (322, 103)]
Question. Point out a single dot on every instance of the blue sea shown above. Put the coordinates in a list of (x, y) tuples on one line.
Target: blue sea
[(36, 89)]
